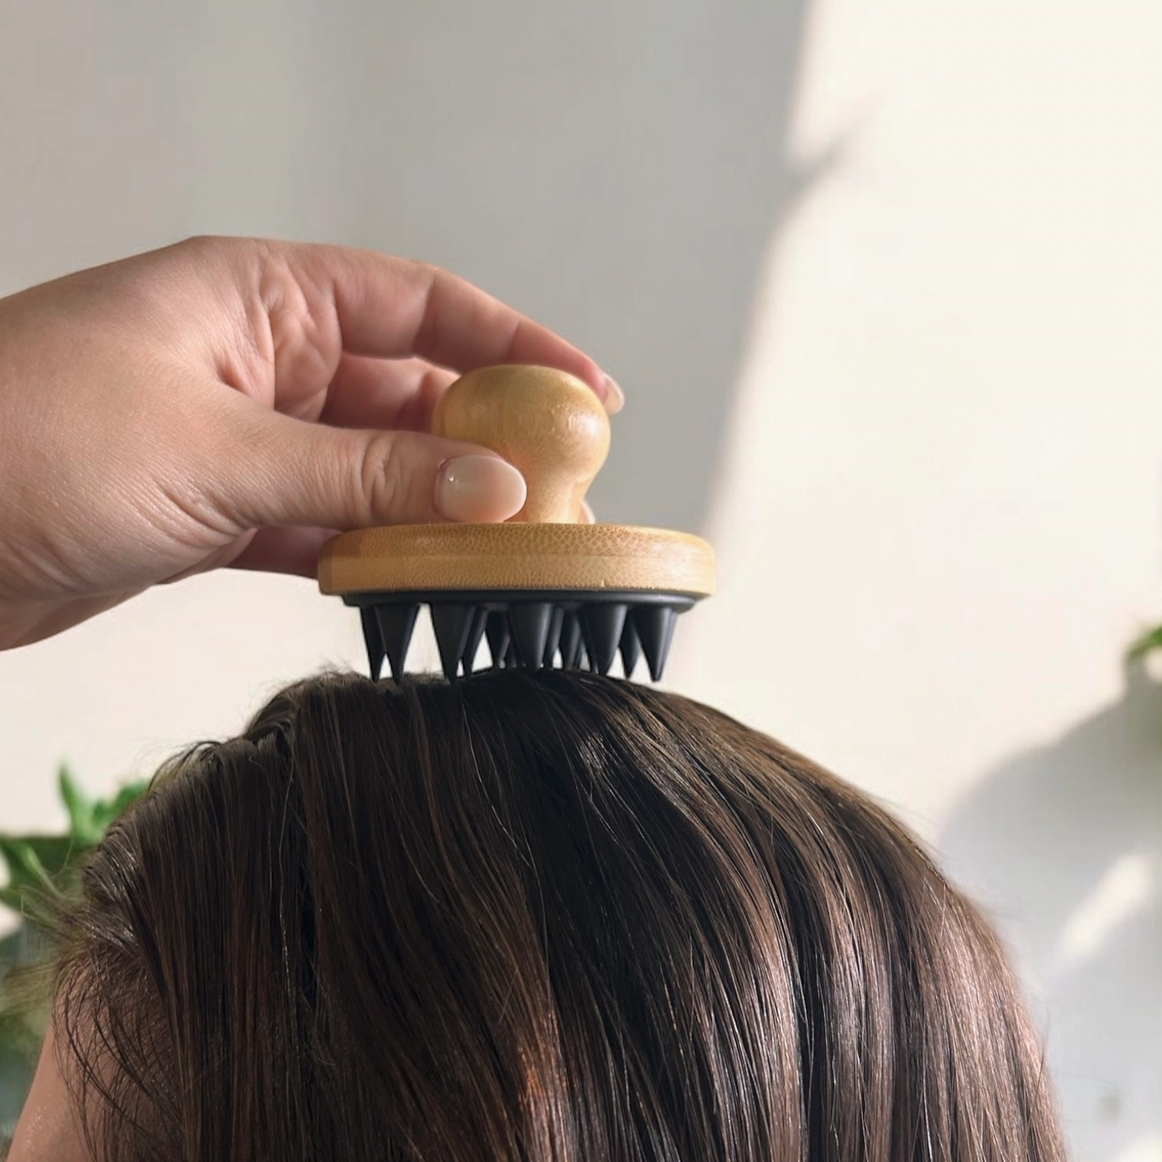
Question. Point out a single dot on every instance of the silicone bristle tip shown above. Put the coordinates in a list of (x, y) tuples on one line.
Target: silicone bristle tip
[(630, 648), (570, 645), (655, 629), (602, 625), (468, 658), (497, 632), (530, 623), (373, 641), (396, 623), (452, 624), (553, 641)]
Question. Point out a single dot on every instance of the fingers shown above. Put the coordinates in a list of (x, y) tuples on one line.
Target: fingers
[(294, 551), (390, 307), (289, 473), (384, 393)]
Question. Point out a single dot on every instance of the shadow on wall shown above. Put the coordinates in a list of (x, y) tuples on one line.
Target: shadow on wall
[(617, 170), (1069, 837)]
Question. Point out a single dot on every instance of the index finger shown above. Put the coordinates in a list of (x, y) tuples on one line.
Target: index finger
[(394, 307)]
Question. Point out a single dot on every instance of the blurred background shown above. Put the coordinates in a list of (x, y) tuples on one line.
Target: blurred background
[(883, 286)]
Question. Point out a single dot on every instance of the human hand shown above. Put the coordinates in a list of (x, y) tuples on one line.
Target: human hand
[(235, 402)]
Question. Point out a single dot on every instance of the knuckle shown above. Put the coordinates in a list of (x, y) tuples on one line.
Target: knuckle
[(385, 487), (203, 245)]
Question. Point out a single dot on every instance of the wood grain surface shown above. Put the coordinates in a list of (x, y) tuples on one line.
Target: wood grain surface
[(552, 427), (546, 422), (516, 556)]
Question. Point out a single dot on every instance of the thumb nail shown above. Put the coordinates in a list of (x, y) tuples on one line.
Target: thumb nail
[(479, 489)]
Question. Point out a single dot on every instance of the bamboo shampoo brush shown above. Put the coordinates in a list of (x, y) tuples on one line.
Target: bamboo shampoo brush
[(543, 589)]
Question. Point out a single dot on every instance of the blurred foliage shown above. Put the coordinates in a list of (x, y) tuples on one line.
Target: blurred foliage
[(1146, 644), (42, 870)]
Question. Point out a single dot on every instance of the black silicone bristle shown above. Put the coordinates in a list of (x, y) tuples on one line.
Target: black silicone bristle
[(655, 629), (372, 640), (602, 625), (630, 648), (498, 634), (553, 641), (570, 641), (530, 621), (395, 623), (472, 645), (452, 623), (574, 629)]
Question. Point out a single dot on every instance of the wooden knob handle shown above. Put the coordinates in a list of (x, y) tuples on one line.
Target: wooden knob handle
[(546, 422)]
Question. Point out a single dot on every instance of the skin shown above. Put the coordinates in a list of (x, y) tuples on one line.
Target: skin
[(48, 1130), (230, 402), (225, 402)]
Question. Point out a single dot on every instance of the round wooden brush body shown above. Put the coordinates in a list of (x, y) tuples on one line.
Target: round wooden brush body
[(544, 587)]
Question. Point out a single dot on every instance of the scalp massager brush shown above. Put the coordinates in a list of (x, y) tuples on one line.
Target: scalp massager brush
[(542, 589)]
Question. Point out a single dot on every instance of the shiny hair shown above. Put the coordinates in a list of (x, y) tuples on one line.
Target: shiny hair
[(542, 917)]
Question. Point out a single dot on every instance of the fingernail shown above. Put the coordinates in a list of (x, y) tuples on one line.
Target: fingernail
[(479, 489), (590, 515), (614, 396)]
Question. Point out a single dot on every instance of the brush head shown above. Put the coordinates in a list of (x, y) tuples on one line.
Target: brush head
[(541, 589)]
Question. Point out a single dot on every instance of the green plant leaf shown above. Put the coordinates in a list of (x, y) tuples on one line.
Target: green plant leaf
[(37, 864), (54, 853), (10, 947), (82, 826), (25, 868), (34, 862), (1146, 644), (40, 868), (106, 811)]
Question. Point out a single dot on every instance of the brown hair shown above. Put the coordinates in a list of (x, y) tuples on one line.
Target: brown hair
[(541, 917)]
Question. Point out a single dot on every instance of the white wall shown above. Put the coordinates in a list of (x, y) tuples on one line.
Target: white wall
[(882, 284), (938, 516)]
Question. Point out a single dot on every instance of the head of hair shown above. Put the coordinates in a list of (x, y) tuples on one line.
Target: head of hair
[(540, 917)]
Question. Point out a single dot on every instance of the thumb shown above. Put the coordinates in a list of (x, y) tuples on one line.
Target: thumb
[(296, 473)]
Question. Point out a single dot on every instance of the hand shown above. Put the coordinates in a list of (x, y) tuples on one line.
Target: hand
[(235, 402)]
